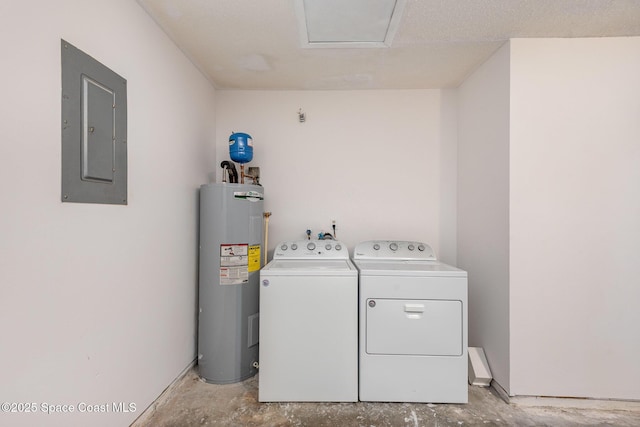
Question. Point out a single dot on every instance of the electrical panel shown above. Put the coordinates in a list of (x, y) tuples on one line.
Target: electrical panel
[(94, 130)]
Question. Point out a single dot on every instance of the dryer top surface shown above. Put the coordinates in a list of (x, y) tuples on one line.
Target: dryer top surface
[(407, 268)]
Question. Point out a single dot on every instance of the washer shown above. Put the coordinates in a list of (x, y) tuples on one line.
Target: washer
[(309, 324), (413, 324)]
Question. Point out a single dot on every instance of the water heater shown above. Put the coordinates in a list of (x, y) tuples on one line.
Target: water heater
[(231, 218)]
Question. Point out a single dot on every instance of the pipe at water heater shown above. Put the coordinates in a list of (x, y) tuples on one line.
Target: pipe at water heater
[(266, 216)]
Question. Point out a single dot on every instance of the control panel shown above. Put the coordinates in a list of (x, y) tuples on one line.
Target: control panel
[(311, 249), (394, 250)]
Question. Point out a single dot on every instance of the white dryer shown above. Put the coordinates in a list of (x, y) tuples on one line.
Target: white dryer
[(413, 324), (309, 324)]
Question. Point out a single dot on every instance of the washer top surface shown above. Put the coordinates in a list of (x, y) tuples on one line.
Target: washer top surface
[(315, 267), (311, 250), (311, 257)]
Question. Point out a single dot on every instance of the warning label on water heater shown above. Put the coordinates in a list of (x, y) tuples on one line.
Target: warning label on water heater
[(234, 264), (254, 258)]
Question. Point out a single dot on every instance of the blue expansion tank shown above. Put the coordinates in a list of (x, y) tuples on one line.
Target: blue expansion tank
[(240, 147)]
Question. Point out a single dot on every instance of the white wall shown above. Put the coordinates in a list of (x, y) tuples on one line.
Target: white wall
[(575, 217), (381, 163), (483, 207), (97, 302), (548, 208)]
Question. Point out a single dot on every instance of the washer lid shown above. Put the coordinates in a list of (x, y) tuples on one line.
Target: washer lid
[(312, 267), (407, 268)]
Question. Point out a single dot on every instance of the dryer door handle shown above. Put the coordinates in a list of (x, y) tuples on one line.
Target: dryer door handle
[(414, 308)]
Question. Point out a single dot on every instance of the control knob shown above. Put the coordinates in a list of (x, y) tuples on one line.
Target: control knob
[(284, 247), (294, 246), (311, 246), (327, 246), (393, 246)]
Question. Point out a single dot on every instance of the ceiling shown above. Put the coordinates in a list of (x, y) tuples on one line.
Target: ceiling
[(256, 44)]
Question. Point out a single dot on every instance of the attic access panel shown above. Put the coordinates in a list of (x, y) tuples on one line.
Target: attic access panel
[(94, 130), (348, 24)]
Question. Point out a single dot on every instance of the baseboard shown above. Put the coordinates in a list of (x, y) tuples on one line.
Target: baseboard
[(144, 417), (575, 403), (566, 402), (500, 391)]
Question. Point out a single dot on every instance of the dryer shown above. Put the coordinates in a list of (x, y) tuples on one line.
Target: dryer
[(309, 324), (413, 324)]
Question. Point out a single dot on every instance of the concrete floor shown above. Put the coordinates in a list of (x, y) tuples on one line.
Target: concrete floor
[(192, 402)]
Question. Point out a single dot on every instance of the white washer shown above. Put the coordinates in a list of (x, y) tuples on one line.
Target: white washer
[(413, 324), (309, 324)]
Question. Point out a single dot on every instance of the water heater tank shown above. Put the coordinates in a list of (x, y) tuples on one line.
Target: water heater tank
[(231, 217), (240, 147)]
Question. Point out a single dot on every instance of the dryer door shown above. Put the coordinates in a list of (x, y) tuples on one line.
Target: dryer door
[(414, 327)]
